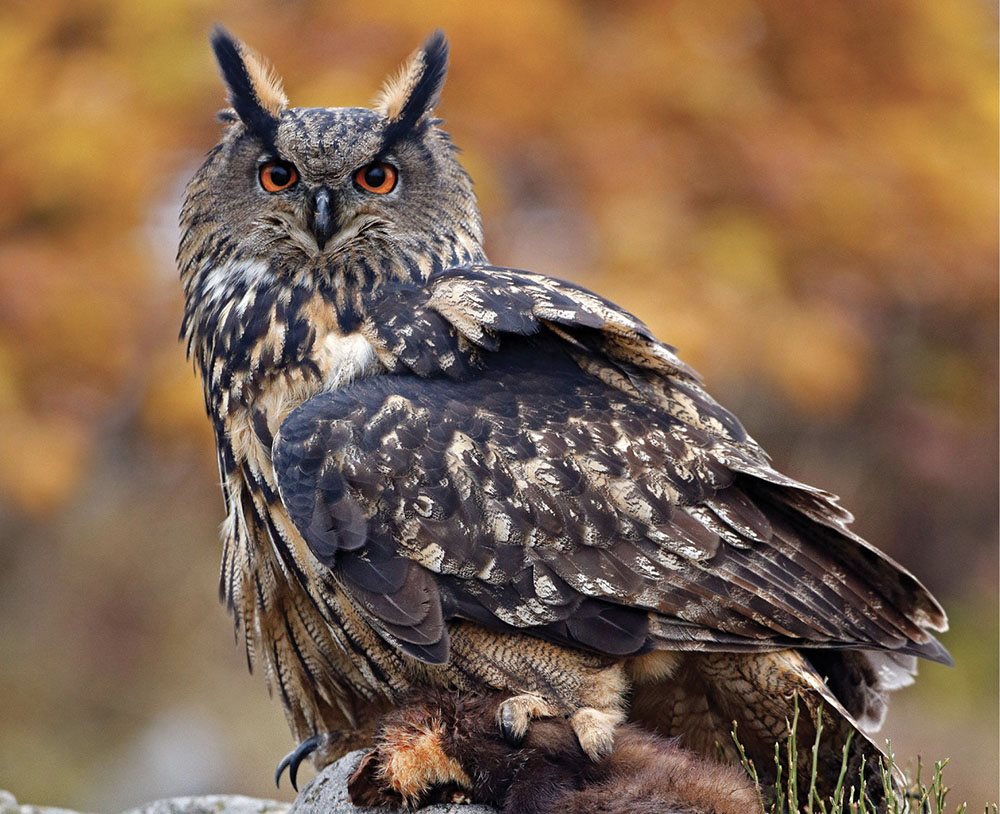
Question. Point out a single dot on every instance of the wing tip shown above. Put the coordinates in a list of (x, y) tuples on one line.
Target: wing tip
[(935, 651), (434, 654)]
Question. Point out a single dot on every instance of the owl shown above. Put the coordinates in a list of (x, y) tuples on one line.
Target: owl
[(441, 473)]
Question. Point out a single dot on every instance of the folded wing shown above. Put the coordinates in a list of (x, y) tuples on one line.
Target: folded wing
[(536, 460)]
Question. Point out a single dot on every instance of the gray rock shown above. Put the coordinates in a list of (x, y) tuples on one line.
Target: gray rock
[(212, 804), (209, 804), (9, 805), (327, 794)]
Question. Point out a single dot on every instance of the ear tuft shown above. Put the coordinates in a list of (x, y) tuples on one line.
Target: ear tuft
[(416, 88), (266, 82), (255, 90)]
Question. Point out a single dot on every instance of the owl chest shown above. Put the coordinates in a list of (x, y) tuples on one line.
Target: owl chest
[(252, 424), (252, 420), (276, 561)]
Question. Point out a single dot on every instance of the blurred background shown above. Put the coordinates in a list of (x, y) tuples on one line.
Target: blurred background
[(802, 196)]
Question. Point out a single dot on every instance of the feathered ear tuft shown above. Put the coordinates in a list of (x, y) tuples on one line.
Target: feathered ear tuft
[(255, 90), (415, 89)]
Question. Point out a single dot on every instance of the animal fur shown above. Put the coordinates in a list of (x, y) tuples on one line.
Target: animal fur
[(449, 743)]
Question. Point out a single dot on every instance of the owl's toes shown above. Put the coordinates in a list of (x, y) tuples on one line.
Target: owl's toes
[(515, 715), (595, 729)]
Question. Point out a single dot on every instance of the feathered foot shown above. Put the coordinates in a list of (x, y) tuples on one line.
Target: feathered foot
[(514, 715), (594, 728)]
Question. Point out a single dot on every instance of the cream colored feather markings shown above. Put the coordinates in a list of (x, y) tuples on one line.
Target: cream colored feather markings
[(399, 87), (267, 84)]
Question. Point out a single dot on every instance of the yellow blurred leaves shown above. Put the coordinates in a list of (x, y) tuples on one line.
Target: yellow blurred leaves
[(817, 359), (763, 186), (42, 460), (741, 251), (173, 408)]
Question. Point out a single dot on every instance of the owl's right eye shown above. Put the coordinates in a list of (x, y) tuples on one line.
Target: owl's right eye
[(277, 176)]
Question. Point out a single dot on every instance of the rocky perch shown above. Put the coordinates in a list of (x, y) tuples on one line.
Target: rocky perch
[(325, 794)]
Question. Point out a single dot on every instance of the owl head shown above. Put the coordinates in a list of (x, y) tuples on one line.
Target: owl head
[(324, 196)]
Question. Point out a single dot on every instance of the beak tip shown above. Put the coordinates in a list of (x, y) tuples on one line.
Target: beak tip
[(321, 220)]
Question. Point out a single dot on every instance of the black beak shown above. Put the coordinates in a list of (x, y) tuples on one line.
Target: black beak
[(320, 218)]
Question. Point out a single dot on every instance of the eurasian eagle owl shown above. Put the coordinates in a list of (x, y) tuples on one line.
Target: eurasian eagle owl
[(440, 472)]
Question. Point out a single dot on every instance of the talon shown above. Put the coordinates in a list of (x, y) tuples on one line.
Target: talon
[(292, 760), (515, 715), (508, 727)]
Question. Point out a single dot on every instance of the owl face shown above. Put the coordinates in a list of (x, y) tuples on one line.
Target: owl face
[(328, 178), (295, 188)]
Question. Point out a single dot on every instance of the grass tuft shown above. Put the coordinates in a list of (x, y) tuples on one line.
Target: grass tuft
[(917, 798)]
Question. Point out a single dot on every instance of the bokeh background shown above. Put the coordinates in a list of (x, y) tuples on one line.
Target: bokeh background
[(801, 195)]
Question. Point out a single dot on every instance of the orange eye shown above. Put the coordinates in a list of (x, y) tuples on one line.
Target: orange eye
[(276, 176), (377, 177)]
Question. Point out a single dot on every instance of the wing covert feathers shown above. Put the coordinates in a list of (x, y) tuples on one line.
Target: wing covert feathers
[(551, 462)]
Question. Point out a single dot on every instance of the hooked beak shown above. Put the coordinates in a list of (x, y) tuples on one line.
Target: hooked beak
[(320, 217)]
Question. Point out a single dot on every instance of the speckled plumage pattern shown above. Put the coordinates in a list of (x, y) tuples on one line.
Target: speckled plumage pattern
[(441, 472)]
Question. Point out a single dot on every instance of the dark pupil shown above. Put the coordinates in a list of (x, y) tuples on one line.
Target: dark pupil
[(375, 176), (280, 175)]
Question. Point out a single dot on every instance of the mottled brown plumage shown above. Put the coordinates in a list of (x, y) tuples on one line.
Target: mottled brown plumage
[(440, 472)]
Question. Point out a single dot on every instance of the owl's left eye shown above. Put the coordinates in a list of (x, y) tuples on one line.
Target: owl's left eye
[(276, 176), (377, 177)]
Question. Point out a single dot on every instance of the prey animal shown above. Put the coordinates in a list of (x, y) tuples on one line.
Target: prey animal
[(441, 734), (443, 473)]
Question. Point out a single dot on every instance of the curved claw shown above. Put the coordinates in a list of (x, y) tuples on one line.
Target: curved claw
[(292, 760), (516, 714), (509, 729)]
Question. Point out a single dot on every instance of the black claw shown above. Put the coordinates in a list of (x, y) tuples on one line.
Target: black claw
[(507, 727), (292, 760)]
